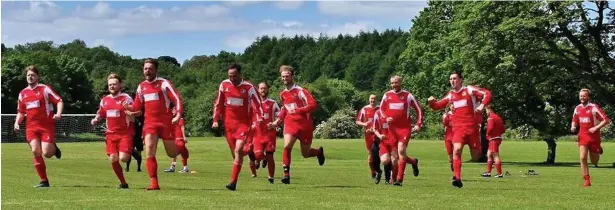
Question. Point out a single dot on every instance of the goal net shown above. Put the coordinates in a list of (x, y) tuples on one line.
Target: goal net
[(71, 128)]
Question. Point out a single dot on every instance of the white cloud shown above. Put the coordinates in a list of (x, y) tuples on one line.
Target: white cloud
[(290, 24), (241, 3), (392, 10), (239, 42), (46, 21), (288, 5)]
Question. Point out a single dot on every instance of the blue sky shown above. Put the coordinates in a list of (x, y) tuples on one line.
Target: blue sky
[(184, 29)]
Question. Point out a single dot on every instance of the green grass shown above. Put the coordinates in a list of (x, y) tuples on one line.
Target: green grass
[(83, 179)]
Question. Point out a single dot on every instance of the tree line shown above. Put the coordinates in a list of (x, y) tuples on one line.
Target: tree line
[(534, 57)]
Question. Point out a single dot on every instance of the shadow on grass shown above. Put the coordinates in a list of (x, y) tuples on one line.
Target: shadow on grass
[(561, 164)]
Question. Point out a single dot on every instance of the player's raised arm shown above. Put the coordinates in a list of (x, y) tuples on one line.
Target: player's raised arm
[(417, 109), (219, 104), (483, 93), (438, 105), (310, 101)]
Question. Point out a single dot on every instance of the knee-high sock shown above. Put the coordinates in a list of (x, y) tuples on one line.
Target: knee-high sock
[(152, 170), (41, 168), (117, 168)]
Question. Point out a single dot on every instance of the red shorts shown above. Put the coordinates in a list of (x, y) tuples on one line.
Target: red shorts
[(369, 141), (165, 131), (117, 143), (264, 143), (494, 145), (237, 131), (448, 144), (45, 134), (592, 143), (387, 147), (401, 133), (304, 132), (469, 135)]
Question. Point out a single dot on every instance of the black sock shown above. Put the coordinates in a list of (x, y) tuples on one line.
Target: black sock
[(128, 164), (387, 171), (251, 156), (375, 159), (137, 157)]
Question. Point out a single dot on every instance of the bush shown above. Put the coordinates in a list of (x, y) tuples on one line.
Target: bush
[(431, 131), (340, 126), (524, 132)]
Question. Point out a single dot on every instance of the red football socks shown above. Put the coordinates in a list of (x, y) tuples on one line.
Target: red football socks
[(457, 166), (152, 170), (498, 167), (235, 172), (270, 165), (313, 152), (117, 168), (286, 160), (41, 169), (489, 166)]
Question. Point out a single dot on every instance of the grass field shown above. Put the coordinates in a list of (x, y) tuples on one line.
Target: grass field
[(83, 179)]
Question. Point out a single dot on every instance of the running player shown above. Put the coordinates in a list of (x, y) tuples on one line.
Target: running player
[(119, 133), (588, 118), (465, 130), (264, 136), (495, 132), (180, 143), (387, 148), (395, 107), (35, 103), (365, 119), (156, 94), (237, 98), (137, 137), (296, 114), (448, 135)]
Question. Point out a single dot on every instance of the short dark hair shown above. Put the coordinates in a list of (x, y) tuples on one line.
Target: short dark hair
[(234, 66), (264, 82), (458, 73), (152, 61)]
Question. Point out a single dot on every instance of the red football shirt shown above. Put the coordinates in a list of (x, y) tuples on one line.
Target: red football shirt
[(271, 110), (587, 117), (301, 101), (37, 103), (397, 106), (111, 108), (237, 103), (366, 115), (157, 97), (463, 104), (495, 126)]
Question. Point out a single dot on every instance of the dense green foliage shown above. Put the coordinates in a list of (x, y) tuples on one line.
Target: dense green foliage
[(534, 56)]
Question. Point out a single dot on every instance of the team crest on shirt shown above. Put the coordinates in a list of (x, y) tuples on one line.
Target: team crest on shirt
[(225, 89), (156, 85), (587, 111), (243, 91), (402, 98), (463, 94)]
